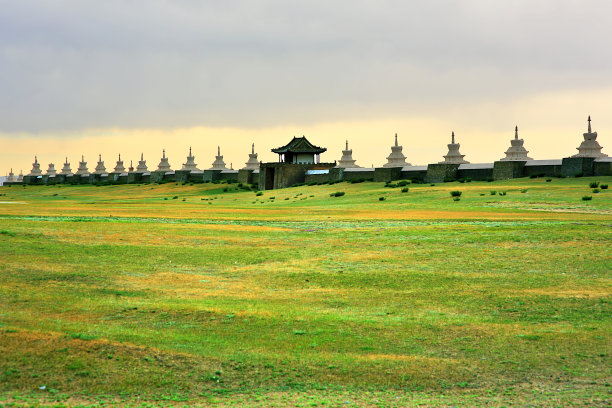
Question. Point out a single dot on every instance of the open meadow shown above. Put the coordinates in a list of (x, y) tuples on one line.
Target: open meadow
[(213, 295)]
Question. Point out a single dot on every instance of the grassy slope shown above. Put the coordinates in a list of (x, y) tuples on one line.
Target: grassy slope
[(119, 293)]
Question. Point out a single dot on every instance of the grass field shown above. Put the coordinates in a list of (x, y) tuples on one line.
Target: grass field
[(183, 295)]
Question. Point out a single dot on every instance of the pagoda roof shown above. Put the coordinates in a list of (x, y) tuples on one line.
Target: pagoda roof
[(299, 145)]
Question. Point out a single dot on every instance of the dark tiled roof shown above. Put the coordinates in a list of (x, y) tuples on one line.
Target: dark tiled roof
[(300, 145)]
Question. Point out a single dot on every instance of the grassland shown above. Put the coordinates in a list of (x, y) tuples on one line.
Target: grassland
[(172, 295)]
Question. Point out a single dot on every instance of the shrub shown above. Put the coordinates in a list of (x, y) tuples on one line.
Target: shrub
[(482, 194), (524, 190), (586, 198), (579, 174), (359, 180), (548, 180), (594, 184), (533, 176), (175, 198), (449, 179), (456, 199), (381, 198), (455, 193), (259, 193), (489, 180), (403, 183), (405, 190), (272, 198), (390, 185), (225, 190), (596, 190), (502, 193), (337, 194), (603, 186), (312, 183), (493, 192)]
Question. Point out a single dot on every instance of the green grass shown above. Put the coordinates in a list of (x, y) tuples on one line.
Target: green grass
[(119, 295)]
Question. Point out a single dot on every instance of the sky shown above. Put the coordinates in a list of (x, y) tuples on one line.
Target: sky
[(81, 77)]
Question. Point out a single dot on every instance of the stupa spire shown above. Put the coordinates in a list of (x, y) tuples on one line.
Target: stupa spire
[(347, 161), (163, 164), (252, 163), (589, 146), (190, 164), (516, 152), (218, 164), (396, 158), (454, 156)]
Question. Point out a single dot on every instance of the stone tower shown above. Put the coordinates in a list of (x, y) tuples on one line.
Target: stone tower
[(396, 158), (516, 152), (347, 161), (142, 165), (82, 167), (163, 164), (66, 170), (11, 177), (35, 168), (100, 169), (589, 146), (20, 177), (51, 170), (190, 165), (454, 156), (119, 168), (218, 164), (253, 163)]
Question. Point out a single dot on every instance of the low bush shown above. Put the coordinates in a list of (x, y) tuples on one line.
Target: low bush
[(259, 193), (586, 198), (456, 199), (594, 184), (548, 180), (381, 198), (603, 186), (524, 190), (581, 174), (175, 198), (502, 193), (403, 183), (493, 192), (595, 190), (455, 193), (337, 194), (405, 190)]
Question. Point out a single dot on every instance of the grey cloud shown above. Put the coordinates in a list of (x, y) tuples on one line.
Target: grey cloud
[(86, 64)]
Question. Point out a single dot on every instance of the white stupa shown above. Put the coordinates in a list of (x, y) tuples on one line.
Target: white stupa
[(35, 168), (396, 158), (454, 156), (20, 177), (253, 163), (100, 169), (347, 161), (66, 170), (516, 152), (82, 170), (163, 164), (589, 146), (51, 170), (142, 165), (11, 177), (119, 168), (190, 165), (131, 168), (218, 164)]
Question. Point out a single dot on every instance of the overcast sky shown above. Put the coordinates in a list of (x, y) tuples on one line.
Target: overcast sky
[(68, 67)]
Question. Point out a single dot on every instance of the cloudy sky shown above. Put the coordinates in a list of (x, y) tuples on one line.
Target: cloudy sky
[(115, 76)]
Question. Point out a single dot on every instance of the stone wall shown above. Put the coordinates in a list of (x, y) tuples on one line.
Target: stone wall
[(476, 174), (573, 166), (503, 170), (439, 172), (387, 174), (603, 167)]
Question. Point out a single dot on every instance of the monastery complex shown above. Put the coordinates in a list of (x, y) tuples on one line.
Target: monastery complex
[(299, 162)]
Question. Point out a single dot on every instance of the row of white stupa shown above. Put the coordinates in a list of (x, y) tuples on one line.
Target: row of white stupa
[(588, 148)]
